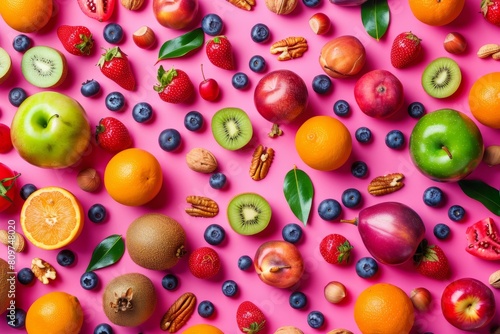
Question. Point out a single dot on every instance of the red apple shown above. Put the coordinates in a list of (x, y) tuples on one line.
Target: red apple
[(379, 94), (281, 96), (279, 263), (468, 304), (175, 14)]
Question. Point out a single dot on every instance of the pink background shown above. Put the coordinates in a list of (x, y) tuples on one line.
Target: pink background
[(179, 181)]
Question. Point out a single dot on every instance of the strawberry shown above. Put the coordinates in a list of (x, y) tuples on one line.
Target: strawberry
[(431, 261), (406, 50), (220, 53), (77, 40), (112, 135), (204, 263), (250, 318), (335, 249), (174, 85), (491, 11), (114, 64)]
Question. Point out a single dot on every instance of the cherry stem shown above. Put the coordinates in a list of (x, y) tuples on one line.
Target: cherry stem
[(275, 269), (202, 74), (444, 148), (350, 221)]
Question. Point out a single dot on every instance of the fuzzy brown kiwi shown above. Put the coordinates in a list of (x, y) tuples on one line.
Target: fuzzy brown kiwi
[(129, 300), (155, 241), (4, 286)]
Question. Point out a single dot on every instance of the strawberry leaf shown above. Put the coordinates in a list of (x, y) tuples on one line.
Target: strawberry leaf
[(182, 45), (375, 16), (299, 191)]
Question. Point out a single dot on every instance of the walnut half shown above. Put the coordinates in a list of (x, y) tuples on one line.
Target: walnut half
[(289, 48), (43, 270)]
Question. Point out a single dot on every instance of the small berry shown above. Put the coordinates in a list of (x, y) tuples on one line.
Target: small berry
[(16, 96), (169, 140), (103, 329), (292, 233), (298, 300), (441, 231), (212, 24), (19, 320), (321, 84), (315, 319), (260, 33), (115, 101), (351, 198), (65, 257), (245, 262), (311, 3), (433, 196), (142, 112), (97, 213), (27, 190), (240, 80), (229, 288), (113, 33), (90, 88), (341, 108), (416, 110), (257, 64), (217, 180), (214, 234), (329, 209), (25, 276), (456, 213), (359, 169), (193, 121), (89, 280), (206, 308), (22, 43), (366, 267), (363, 135), (170, 282), (395, 139)]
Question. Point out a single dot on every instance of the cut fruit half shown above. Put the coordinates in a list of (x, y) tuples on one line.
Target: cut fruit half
[(248, 213), (5, 65), (441, 78), (231, 128), (44, 67), (52, 218)]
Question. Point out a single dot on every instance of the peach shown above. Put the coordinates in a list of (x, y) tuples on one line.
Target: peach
[(175, 14), (342, 57)]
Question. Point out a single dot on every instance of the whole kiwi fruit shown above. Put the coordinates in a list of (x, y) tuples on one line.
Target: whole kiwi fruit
[(129, 299), (155, 241), (4, 286)]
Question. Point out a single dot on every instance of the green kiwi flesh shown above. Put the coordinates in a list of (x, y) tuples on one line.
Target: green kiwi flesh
[(248, 213), (5, 65), (441, 78), (44, 67), (231, 128)]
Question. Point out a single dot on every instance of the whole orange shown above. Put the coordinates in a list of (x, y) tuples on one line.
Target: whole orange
[(323, 143), (202, 328), (384, 308), (26, 15), (55, 312), (436, 12), (133, 177), (484, 100)]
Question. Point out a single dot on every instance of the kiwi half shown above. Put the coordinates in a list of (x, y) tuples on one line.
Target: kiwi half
[(441, 78), (5, 65), (231, 128), (248, 213), (44, 67)]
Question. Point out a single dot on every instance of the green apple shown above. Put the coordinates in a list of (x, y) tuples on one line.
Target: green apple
[(50, 130), (446, 145)]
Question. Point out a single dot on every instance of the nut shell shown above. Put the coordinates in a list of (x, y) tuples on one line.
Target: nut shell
[(288, 330), (201, 160), (88, 179), (132, 4), (455, 43), (281, 7), (342, 57)]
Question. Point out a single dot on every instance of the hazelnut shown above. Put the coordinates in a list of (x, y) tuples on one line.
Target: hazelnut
[(132, 4), (88, 179), (320, 23), (144, 37), (281, 7), (335, 292), (421, 299), (455, 43)]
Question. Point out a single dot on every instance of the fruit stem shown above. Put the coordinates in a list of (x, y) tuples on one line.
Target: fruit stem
[(276, 269), (50, 118), (350, 221), (202, 73), (444, 148)]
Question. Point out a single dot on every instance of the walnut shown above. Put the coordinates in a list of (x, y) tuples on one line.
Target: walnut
[(289, 48), (132, 4), (43, 270), (243, 4), (201, 160), (281, 7)]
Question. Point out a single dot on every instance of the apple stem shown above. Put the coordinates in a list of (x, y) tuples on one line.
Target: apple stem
[(444, 148), (278, 268), (202, 74), (55, 115), (350, 221)]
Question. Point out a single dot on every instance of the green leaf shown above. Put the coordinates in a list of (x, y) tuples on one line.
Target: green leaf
[(299, 191), (108, 252), (181, 45), (482, 192), (375, 16)]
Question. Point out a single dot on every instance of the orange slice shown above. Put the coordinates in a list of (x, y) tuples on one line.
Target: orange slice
[(52, 218)]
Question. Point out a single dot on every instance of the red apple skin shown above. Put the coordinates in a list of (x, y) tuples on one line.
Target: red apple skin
[(281, 96), (175, 14), (474, 298), (379, 94), (279, 263)]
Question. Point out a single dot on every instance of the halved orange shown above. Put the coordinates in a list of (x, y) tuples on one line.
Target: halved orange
[(51, 218)]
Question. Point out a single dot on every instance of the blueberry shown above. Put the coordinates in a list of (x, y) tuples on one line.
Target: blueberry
[(456, 213), (214, 234), (89, 280), (351, 198), (292, 233), (433, 196), (169, 140), (170, 282), (315, 319), (217, 180), (206, 308), (16, 96), (366, 267), (416, 109), (229, 288), (240, 80), (27, 190), (311, 3), (193, 121), (363, 135), (25, 276), (115, 101), (97, 213), (113, 33), (245, 262), (341, 108), (142, 112), (65, 257), (212, 24), (257, 64), (329, 209), (395, 139), (19, 318), (441, 231), (321, 84), (103, 329), (298, 300), (260, 33), (359, 169), (22, 43), (90, 88)]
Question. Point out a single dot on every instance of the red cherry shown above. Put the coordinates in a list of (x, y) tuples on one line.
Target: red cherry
[(5, 141), (209, 88)]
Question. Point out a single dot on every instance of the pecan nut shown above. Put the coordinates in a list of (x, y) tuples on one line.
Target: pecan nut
[(179, 313), (289, 48), (201, 160), (14, 240), (43, 270), (243, 4), (202, 206), (261, 162), (383, 185)]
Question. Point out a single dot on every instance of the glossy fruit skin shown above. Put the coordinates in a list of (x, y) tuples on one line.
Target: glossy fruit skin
[(341, 108), (217, 180), (16, 96), (8, 181), (342, 57), (212, 24), (257, 64), (359, 169), (214, 234), (363, 135), (406, 50), (97, 213), (174, 85), (245, 262), (482, 240), (170, 282), (250, 318), (366, 267), (433, 196), (311, 3), (142, 112), (19, 318), (351, 198), (22, 43), (220, 53), (112, 135), (329, 209), (5, 141), (321, 84), (89, 280), (175, 14), (115, 65), (209, 89), (416, 110), (97, 9), (395, 139), (315, 319), (77, 40), (25, 276), (65, 257), (103, 329), (441, 231), (292, 233), (297, 300), (26, 190), (456, 213), (204, 263), (260, 33), (206, 309), (90, 88), (229, 288), (240, 80), (491, 11), (169, 140), (113, 33), (193, 121), (115, 101), (431, 261), (335, 249), (397, 228)]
